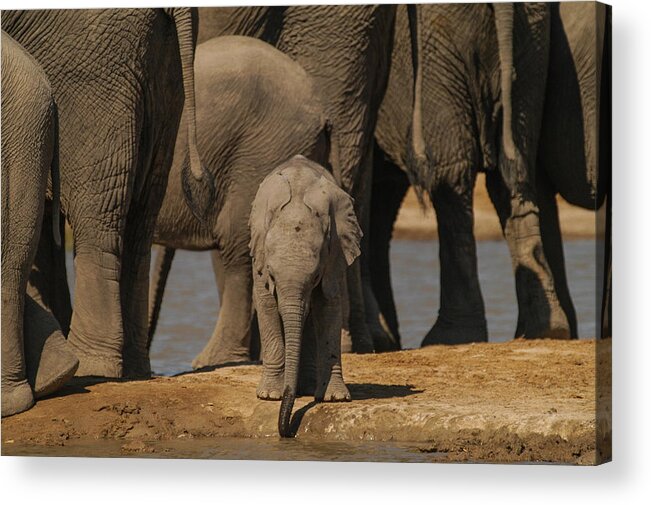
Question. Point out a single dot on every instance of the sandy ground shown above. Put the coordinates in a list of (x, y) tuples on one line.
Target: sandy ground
[(416, 224), (516, 401)]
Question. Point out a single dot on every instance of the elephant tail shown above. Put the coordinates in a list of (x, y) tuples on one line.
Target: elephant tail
[(56, 185), (417, 163), (157, 288), (504, 28), (199, 188)]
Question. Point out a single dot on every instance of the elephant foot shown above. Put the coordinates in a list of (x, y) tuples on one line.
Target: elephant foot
[(383, 339), (16, 398), (137, 368), (271, 386), (98, 366), (336, 391), (210, 357), (55, 366), (50, 360), (454, 334), (558, 328)]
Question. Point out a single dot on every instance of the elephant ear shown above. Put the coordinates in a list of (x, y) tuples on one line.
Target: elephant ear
[(348, 230), (273, 194), (334, 208)]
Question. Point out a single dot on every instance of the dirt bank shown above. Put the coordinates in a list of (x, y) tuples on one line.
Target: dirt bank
[(416, 224), (518, 401)]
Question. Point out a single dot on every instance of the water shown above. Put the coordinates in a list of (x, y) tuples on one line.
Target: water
[(240, 449), (190, 306)]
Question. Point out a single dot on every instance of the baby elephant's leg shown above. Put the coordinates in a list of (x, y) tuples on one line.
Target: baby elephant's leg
[(327, 322), (271, 340)]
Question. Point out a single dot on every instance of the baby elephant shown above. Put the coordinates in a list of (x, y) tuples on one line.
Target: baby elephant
[(304, 234)]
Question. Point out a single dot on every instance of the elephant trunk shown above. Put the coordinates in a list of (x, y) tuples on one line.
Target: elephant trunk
[(504, 28), (292, 313)]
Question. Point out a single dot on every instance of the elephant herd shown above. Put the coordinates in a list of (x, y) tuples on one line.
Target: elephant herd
[(283, 139)]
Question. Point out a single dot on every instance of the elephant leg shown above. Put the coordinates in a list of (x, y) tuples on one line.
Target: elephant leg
[(326, 315), (218, 270), (552, 240), (98, 217), (390, 184), (96, 333), (22, 212), (272, 342), (134, 297), (461, 316), (361, 339), (383, 339), (48, 280), (147, 199), (162, 266), (50, 361), (539, 311), (230, 340), (17, 394)]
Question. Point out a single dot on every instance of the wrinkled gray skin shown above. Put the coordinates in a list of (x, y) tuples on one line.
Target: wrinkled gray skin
[(118, 77), (574, 154), (461, 92), (469, 52), (346, 49), (36, 359), (304, 234), (256, 108)]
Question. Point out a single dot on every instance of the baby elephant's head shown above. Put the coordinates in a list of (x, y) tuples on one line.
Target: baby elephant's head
[(303, 231)]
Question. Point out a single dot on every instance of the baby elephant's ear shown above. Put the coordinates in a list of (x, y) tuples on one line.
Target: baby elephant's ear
[(348, 229), (273, 194)]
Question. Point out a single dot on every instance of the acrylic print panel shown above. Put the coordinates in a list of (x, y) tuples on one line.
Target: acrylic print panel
[(325, 155)]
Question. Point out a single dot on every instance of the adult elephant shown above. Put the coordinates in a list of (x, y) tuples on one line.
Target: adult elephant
[(574, 154), (346, 50), (36, 359), (118, 77), (461, 94), (477, 105)]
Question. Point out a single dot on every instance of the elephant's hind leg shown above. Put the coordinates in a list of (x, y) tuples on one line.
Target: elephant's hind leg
[(540, 314), (326, 315), (390, 184), (461, 316), (230, 340)]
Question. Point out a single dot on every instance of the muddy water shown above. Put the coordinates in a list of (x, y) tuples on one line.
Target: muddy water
[(190, 306), (237, 448)]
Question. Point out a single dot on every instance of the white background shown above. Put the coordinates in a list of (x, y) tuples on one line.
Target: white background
[(625, 480)]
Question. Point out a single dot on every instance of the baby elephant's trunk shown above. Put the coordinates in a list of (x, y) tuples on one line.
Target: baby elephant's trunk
[(285, 415), (292, 314)]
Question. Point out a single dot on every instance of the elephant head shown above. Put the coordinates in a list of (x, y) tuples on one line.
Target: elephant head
[(303, 234)]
